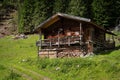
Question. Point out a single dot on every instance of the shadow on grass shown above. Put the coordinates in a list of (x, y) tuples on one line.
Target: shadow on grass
[(108, 51)]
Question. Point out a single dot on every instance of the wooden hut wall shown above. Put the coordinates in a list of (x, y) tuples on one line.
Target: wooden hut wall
[(70, 25), (88, 31), (99, 36), (52, 30), (65, 24)]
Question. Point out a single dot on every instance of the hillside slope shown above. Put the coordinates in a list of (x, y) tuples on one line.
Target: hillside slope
[(8, 20), (18, 61)]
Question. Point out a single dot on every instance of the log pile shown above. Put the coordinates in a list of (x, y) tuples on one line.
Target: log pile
[(69, 53)]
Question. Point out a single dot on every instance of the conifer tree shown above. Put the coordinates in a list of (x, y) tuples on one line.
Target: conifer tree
[(106, 12), (20, 17), (33, 12), (76, 8), (39, 12), (88, 13), (60, 6), (100, 12)]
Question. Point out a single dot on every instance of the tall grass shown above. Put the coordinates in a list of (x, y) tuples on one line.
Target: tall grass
[(13, 76), (14, 51), (22, 55), (94, 68)]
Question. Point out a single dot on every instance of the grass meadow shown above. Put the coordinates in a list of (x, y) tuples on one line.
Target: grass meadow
[(19, 61)]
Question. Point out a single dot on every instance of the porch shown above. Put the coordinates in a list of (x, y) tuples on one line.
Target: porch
[(68, 46), (70, 36), (71, 46), (62, 41)]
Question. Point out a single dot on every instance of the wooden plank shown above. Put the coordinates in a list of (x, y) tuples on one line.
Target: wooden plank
[(53, 20)]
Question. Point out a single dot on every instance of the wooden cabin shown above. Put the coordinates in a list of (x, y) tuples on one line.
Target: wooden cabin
[(64, 35)]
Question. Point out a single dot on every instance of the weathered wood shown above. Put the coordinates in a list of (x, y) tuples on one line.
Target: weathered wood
[(78, 36), (62, 41), (80, 31), (49, 54)]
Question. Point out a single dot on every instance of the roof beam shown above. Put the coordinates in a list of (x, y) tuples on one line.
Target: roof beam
[(51, 21)]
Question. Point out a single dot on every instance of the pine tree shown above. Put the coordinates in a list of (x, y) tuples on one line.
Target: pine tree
[(60, 6), (88, 13), (76, 8), (100, 12), (28, 15), (106, 12), (20, 17), (33, 12), (43, 9), (114, 11)]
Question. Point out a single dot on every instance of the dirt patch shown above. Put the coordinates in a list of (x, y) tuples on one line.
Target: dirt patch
[(7, 23)]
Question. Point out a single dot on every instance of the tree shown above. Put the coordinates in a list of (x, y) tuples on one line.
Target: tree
[(25, 16), (88, 13), (106, 12), (76, 7), (60, 6), (32, 12), (39, 12)]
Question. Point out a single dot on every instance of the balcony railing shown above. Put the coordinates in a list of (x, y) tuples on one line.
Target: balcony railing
[(59, 41)]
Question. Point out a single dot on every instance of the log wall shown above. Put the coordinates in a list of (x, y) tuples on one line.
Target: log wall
[(68, 28)]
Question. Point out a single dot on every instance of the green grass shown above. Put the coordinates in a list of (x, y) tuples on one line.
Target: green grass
[(18, 61), (14, 51), (101, 67)]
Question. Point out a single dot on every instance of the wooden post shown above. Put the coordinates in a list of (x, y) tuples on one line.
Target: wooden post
[(59, 30), (80, 37), (80, 30), (69, 41), (38, 51), (40, 38), (50, 43), (90, 44), (58, 40)]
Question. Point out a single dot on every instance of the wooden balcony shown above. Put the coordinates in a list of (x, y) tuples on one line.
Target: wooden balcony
[(70, 40)]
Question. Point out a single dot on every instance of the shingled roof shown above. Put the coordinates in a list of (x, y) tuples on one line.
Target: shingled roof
[(58, 16)]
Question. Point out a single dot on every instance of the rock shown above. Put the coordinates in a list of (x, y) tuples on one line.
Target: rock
[(89, 54), (81, 55), (78, 66), (58, 68), (20, 36)]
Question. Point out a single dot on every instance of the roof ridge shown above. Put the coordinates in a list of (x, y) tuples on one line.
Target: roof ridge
[(72, 16)]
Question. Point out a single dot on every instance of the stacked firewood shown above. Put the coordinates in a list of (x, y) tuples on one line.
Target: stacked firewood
[(69, 53)]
